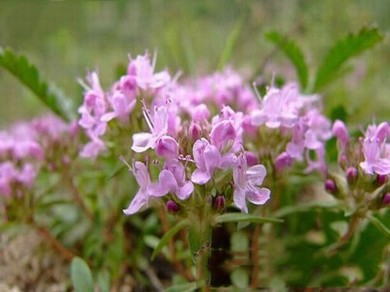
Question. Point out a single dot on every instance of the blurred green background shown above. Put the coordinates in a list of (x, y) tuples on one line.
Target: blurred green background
[(65, 39)]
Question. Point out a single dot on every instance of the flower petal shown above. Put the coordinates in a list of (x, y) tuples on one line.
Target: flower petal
[(239, 199), (186, 190), (256, 174), (139, 201), (258, 196), (200, 177), (142, 142)]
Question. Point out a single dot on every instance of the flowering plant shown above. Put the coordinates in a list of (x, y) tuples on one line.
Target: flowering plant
[(206, 157)]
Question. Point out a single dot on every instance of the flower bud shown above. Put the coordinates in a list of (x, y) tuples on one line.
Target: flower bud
[(340, 131), (330, 186), (167, 147), (172, 207), (251, 158), (194, 131), (200, 113), (352, 174), (381, 179), (219, 202), (283, 161), (386, 199)]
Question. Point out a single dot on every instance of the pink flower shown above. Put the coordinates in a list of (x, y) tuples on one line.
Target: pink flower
[(158, 125), (279, 107), (143, 195), (93, 148), (27, 175), (319, 129), (122, 105), (246, 182), (143, 71), (207, 159), (223, 135), (167, 147), (376, 151), (7, 175), (172, 179)]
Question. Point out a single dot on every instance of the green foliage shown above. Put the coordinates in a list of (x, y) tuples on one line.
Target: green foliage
[(241, 217), (293, 53), (27, 73), (378, 224), (342, 51), (167, 236), (81, 276), (231, 42)]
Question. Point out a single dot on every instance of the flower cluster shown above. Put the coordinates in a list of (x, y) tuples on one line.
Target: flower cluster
[(99, 107), (209, 132), (28, 147), (366, 165)]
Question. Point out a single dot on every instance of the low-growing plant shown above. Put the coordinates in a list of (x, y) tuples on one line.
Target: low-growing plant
[(219, 185)]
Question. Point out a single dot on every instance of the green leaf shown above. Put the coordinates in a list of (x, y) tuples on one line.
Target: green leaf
[(288, 210), (187, 287), (231, 42), (164, 240), (378, 224), (103, 281), (81, 276), (293, 53), (240, 217), (28, 74), (342, 51)]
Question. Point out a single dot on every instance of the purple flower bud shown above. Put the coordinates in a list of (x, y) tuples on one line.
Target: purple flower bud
[(330, 186), (381, 179), (200, 113), (194, 131), (219, 202), (251, 158), (172, 207), (352, 174), (386, 199), (167, 147), (340, 131), (282, 161)]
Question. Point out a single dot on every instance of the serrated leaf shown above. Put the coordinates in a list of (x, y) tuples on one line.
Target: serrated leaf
[(293, 53), (28, 74), (342, 51), (378, 224), (240, 217), (231, 42), (164, 240), (81, 276)]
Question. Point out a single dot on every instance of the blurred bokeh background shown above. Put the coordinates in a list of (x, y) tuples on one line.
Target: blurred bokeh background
[(65, 39)]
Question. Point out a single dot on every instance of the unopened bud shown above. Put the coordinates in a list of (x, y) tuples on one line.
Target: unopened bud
[(194, 131), (201, 113), (386, 199), (219, 202), (381, 179), (167, 147), (283, 161), (330, 186), (352, 174), (251, 158), (172, 207)]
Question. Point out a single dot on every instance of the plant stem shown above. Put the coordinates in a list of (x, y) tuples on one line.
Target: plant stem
[(53, 242), (76, 195), (171, 246)]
